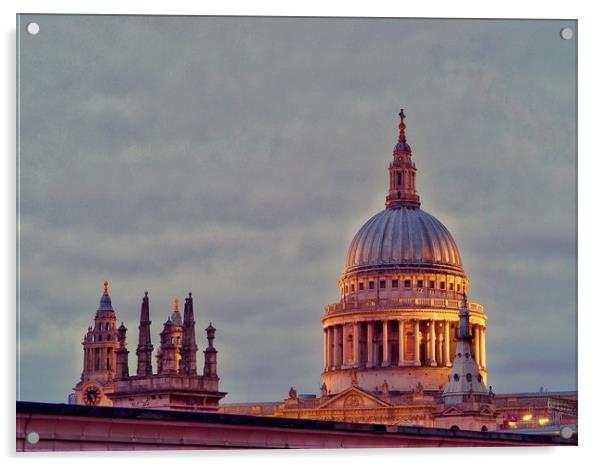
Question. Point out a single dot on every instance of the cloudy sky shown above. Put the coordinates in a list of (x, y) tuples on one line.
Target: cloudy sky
[(236, 157)]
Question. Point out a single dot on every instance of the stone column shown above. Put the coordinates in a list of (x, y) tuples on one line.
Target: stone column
[(416, 342), (447, 347), (433, 361), (337, 347), (477, 344), (325, 349), (440, 362), (401, 345), (328, 347), (386, 360), (345, 362), (370, 345), (483, 348), (356, 344), (330, 352)]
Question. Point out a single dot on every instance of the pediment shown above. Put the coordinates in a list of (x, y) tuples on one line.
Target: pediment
[(354, 397), (452, 411), (487, 411)]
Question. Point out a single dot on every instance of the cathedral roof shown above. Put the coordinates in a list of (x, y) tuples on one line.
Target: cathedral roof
[(403, 236)]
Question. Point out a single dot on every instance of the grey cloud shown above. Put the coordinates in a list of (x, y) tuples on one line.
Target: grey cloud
[(236, 157)]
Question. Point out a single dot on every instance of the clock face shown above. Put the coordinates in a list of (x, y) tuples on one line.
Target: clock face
[(92, 395)]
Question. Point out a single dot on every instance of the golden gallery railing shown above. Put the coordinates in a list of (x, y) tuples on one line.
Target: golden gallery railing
[(373, 304)]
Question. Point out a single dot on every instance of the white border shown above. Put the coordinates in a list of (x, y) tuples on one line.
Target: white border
[(590, 77)]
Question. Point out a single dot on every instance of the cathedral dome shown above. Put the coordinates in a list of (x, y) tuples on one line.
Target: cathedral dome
[(403, 238)]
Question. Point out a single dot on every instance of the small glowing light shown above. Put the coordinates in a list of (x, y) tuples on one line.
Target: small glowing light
[(512, 424), (527, 417), (543, 421)]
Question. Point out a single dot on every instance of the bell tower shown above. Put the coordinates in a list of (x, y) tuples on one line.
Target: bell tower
[(100, 347)]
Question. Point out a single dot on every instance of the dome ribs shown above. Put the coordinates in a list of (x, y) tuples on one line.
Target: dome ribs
[(403, 238), (386, 243), (426, 244)]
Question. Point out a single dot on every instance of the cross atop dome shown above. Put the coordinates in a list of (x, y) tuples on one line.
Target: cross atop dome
[(402, 127)]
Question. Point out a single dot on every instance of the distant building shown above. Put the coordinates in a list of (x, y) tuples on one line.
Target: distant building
[(403, 346), (106, 380)]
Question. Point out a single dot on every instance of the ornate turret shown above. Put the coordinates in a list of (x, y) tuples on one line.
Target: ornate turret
[(169, 357), (189, 346), (210, 368), (122, 369), (100, 342), (465, 381), (144, 352), (402, 174), (100, 350)]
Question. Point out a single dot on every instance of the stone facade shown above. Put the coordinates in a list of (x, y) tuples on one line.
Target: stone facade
[(106, 380)]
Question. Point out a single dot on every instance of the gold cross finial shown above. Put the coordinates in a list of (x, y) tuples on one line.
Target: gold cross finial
[(176, 304), (106, 290)]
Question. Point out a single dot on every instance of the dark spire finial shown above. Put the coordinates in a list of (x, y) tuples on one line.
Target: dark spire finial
[(189, 294), (146, 294)]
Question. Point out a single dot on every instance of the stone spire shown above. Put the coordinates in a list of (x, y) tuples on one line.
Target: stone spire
[(189, 346), (121, 354), (210, 368), (144, 352), (402, 174), (465, 381)]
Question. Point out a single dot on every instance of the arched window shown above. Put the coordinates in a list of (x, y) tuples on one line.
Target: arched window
[(469, 377), (107, 326), (398, 179), (484, 429), (454, 428), (456, 377)]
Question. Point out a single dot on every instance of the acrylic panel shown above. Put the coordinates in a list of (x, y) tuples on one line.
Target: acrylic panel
[(278, 232)]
